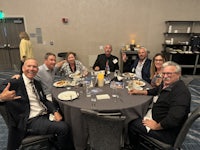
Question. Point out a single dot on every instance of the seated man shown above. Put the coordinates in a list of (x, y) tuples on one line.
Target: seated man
[(106, 60), (141, 65), (46, 73), (169, 112), (30, 113)]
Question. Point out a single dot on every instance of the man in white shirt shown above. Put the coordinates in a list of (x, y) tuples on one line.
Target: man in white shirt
[(141, 66)]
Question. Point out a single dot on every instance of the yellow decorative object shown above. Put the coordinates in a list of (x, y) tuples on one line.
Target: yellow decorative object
[(100, 78)]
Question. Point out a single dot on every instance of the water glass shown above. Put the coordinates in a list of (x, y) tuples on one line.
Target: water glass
[(87, 89), (93, 81), (130, 85), (114, 87)]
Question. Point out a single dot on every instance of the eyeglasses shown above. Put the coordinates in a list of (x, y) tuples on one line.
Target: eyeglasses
[(158, 60), (168, 73)]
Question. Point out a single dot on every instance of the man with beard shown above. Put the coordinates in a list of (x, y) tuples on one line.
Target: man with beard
[(164, 120), (141, 66)]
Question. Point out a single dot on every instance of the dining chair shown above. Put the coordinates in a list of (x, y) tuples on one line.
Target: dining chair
[(37, 142), (149, 143), (31, 142), (62, 55), (105, 129)]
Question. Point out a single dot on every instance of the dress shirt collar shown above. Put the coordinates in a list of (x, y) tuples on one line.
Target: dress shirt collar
[(108, 56), (26, 80), (142, 62), (47, 69)]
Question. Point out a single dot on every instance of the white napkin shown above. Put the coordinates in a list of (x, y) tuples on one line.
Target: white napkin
[(119, 78), (102, 96), (148, 116), (51, 117)]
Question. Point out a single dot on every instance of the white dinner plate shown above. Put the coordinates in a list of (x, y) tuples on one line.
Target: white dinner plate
[(68, 95), (139, 82), (98, 72), (61, 83), (128, 74), (135, 87), (75, 76)]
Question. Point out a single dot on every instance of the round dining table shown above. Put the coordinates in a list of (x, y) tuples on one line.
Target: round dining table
[(131, 106)]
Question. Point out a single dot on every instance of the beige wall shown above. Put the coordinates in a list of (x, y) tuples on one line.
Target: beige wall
[(96, 22)]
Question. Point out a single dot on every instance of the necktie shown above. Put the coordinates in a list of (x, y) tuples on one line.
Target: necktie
[(34, 90), (107, 65)]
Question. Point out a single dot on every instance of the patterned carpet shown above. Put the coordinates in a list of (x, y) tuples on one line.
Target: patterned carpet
[(192, 141), (3, 127)]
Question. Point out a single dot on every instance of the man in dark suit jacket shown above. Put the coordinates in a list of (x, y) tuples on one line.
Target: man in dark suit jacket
[(141, 65), (30, 113), (106, 60)]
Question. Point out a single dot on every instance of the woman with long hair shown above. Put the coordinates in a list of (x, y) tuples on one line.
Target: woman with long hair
[(155, 70), (25, 48)]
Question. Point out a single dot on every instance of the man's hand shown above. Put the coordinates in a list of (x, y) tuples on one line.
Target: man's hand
[(16, 76), (152, 124), (7, 95), (124, 57), (60, 63), (57, 116), (97, 68), (137, 92)]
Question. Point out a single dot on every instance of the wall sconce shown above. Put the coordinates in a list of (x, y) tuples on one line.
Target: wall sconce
[(132, 42), (132, 45)]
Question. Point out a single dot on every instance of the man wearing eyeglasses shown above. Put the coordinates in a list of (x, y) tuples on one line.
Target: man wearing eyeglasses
[(168, 113)]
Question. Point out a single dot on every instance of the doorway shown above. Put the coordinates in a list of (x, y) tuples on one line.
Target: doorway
[(9, 42)]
